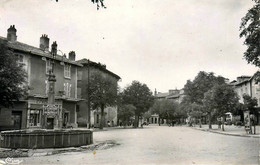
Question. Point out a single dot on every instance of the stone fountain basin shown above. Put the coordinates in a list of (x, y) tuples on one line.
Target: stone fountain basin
[(45, 138)]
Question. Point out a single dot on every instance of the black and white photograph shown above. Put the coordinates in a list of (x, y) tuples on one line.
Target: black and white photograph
[(129, 82)]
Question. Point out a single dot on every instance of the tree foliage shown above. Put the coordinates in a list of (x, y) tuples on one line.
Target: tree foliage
[(249, 104), (202, 83), (125, 112), (250, 30), (220, 100), (12, 77), (102, 92), (100, 3), (140, 96), (166, 109)]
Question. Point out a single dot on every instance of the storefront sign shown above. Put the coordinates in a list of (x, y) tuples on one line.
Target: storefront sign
[(51, 110)]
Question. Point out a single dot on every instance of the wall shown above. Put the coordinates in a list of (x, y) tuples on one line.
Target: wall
[(38, 77), (82, 89), (6, 119)]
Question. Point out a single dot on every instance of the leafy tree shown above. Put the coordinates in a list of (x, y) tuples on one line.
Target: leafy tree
[(140, 96), (100, 3), (12, 77), (195, 90), (250, 104), (201, 84), (250, 29), (196, 111), (147, 114), (102, 93), (125, 112), (166, 109), (220, 100)]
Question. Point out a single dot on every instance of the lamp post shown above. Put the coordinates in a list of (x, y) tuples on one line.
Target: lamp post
[(89, 123)]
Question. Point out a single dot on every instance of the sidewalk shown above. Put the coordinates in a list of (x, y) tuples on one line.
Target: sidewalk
[(229, 130)]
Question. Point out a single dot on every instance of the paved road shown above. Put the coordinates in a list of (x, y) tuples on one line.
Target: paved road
[(162, 145)]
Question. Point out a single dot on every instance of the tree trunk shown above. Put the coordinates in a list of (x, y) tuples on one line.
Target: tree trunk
[(159, 122), (136, 122), (222, 119), (102, 120), (210, 125), (200, 122)]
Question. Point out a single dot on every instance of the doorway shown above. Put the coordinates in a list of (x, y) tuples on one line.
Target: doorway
[(17, 119), (50, 123)]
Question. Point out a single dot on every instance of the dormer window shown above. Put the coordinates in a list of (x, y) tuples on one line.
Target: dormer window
[(67, 70)]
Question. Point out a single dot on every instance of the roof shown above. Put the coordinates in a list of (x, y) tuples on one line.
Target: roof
[(19, 46), (173, 96), (162, 94), (85, 62)]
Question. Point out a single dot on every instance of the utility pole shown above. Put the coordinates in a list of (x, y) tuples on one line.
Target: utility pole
[(89, 123)]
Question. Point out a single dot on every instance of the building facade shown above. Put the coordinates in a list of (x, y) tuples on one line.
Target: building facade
[(175, 95), (37, 62), (249, 86), (86, 114)]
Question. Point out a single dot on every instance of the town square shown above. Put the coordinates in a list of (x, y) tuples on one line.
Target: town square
[(130, 82)]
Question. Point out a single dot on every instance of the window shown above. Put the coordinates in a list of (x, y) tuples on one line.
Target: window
[(48, 66), (67, 70), (34, 118), (79, 75), (20, 60), (97, 118), (46, 87), (67, 89)]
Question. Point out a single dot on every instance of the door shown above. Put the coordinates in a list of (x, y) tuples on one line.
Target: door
[(17, 119), (50, 123)]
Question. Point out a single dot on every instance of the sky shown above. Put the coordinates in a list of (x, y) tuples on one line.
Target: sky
[(160, 43)]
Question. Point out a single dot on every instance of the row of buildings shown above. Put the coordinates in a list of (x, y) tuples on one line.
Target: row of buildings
[(71, 87), (242, 85)]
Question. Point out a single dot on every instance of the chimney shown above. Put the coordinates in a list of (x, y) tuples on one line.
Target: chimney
[(44, 42), (54, 49), (155, 92), (11, 34), (72, 56)]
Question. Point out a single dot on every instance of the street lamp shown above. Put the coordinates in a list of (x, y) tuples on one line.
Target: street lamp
[(89, 123)]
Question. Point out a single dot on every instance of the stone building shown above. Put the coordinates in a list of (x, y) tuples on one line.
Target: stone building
[(27, 113), (248, 85), (85, 114), (174, 95)]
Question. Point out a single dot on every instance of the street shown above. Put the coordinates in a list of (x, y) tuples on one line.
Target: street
[(161, 145)]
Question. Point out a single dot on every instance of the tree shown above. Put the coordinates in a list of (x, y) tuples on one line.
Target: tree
[(12, 77), (195, 90), (250, 29), (202, 83), (140, 96), (220, 100), (102, 93), (100, 3), (196, 111), (163, 108), (147, 115), (125, 112), (250, 105)]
